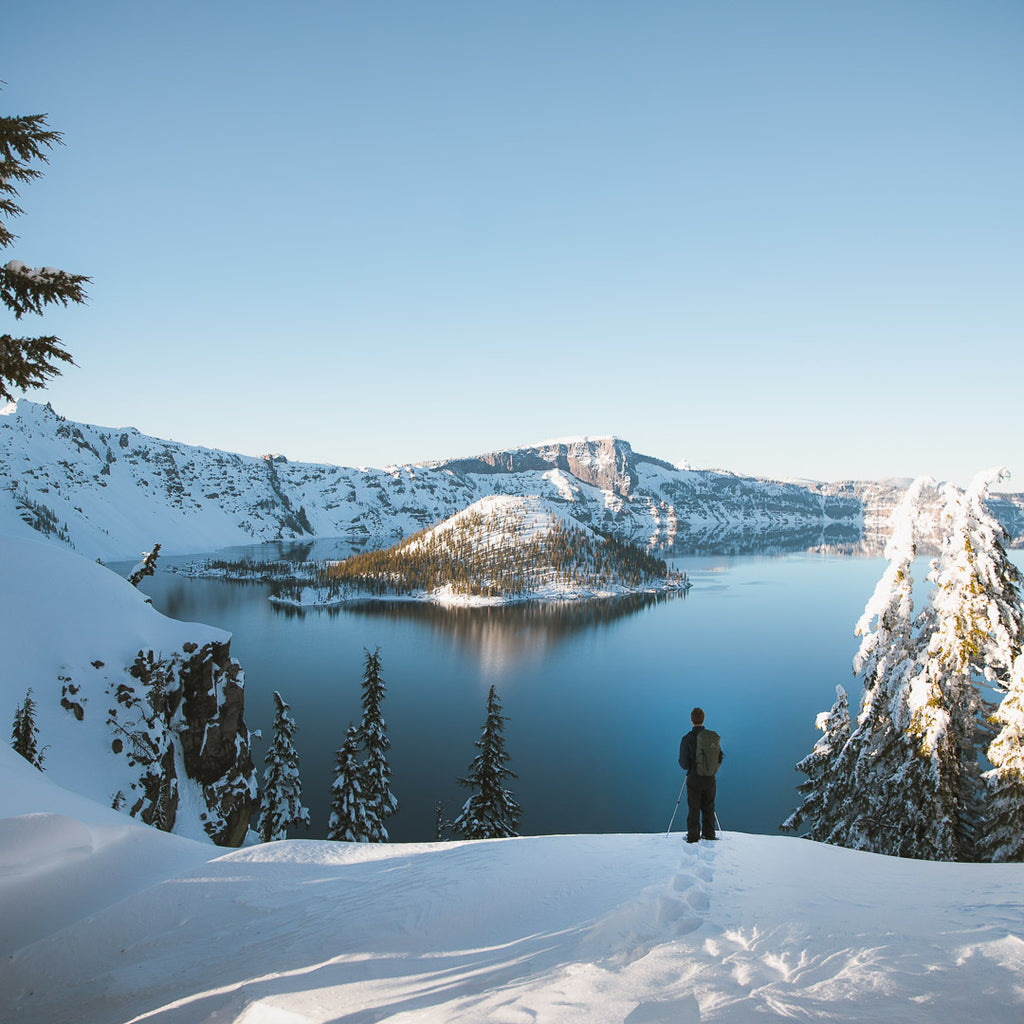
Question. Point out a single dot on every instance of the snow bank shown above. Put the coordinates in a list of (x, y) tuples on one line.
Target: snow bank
[(64, 857), (639, 928)]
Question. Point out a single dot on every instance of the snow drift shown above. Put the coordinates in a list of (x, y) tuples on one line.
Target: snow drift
[(109, 922)]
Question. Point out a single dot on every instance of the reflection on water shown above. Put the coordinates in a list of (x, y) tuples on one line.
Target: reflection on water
[(715, 539), (178, 597), (504, 636), (835, 538)]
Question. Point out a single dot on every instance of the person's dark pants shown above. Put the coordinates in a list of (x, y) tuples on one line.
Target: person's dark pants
[(700, 804)]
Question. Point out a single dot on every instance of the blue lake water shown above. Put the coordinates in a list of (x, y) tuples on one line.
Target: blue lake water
[(597, 698)]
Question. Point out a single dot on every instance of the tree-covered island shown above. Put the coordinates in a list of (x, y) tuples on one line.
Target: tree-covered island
[(501, 549)]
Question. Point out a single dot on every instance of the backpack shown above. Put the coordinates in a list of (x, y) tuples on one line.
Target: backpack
[(709, 752)]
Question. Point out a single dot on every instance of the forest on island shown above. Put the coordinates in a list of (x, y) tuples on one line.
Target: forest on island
[(498, 554)]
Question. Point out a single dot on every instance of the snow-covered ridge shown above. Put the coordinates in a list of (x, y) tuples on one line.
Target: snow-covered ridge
[(113, 492)]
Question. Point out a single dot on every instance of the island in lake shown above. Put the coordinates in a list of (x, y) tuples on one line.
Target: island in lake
[(501, 549)]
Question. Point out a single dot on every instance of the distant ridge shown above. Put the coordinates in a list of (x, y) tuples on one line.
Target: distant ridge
[(113, 492)]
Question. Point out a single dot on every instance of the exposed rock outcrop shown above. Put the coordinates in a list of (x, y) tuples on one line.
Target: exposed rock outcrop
[(187, 710)]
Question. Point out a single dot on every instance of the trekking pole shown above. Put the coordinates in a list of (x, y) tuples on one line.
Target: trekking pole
[(676, 808), (718, 825)]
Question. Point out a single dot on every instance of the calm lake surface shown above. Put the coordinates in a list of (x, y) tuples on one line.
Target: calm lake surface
[(597, 698)]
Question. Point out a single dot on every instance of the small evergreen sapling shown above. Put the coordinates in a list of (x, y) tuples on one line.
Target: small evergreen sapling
[(282, 788), (24, 734), (348, 822), (146, 567), (442, 826), (491, 812)]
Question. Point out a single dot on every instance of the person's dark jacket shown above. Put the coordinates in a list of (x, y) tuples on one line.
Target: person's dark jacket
[(688, 750)]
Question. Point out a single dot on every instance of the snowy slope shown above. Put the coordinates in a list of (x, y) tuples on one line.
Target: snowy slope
[(113, 492), (638, 928), (69, 631)]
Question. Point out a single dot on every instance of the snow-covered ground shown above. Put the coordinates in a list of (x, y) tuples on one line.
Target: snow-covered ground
[(106, 921)]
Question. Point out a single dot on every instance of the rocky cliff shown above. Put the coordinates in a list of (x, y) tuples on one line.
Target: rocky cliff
[(133, 709), (182, 714)]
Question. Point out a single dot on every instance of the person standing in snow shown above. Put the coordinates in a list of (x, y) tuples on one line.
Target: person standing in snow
[(700, 754)]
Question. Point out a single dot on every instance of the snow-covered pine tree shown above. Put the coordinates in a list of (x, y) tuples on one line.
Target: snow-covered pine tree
[(1001, 836), (441, 824), (373, 739), (867, 800), (28, 362), (980, 621), (973, 627), (821, 814), (25, 734), (491, 812), (282, 789), (348, 822)]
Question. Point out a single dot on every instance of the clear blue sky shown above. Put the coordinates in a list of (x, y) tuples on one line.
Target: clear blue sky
[(782, 238)]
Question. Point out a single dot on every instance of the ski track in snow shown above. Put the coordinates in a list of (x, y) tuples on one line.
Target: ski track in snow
[(572, 928)]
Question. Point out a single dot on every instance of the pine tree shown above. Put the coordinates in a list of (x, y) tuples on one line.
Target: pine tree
[(818, 807), (1002, 838), (348, 822), (869, 798), (851, 796), (282, 788), (373, 739), (974, 626), (491, 812), (24, 734), (442, 825), (28, 362), (979, 620)]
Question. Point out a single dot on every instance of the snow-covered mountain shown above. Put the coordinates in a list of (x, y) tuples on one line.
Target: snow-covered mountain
[(113, 492)]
